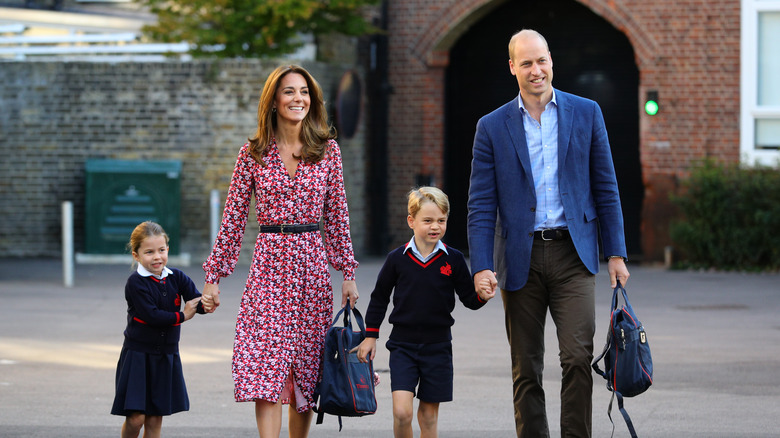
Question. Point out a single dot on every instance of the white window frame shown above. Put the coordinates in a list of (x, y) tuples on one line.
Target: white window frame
[(750, 110)]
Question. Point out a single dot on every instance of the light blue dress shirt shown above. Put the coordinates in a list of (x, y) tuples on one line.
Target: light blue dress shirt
[(542, 140), (413, 247)]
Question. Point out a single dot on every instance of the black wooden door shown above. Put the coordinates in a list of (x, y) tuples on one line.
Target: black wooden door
[(590, 58)]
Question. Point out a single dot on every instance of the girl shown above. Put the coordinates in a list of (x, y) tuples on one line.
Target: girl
[(149, 379)]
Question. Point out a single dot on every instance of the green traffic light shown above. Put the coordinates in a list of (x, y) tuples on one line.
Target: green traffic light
[(651, 107)]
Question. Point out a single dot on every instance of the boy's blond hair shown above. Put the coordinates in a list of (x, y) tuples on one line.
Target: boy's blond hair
[(427, 194)]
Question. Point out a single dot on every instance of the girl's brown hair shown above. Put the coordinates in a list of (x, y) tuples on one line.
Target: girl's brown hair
[(315, 132), (142, 231)]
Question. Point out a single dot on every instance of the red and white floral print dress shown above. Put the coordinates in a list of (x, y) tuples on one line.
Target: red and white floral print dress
[(287, 304)]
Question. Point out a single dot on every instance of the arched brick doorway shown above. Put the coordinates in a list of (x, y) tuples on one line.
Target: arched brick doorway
[(591, 58)]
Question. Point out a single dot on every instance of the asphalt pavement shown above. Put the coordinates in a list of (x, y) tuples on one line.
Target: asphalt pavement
[(715, 340)]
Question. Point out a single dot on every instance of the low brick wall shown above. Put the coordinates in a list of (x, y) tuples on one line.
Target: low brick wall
[(56, 115)]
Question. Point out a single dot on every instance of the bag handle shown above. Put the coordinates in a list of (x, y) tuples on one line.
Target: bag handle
[(615, 299), (346, 310)]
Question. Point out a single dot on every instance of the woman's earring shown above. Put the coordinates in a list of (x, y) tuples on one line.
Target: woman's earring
[(273, 109)]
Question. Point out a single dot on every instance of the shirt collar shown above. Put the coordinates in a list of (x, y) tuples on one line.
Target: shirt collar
[(413, 246), (554, 100), (145, 272)]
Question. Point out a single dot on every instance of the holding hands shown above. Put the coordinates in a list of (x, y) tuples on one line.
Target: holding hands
[(210, 297), (190, 308), (485, 284)]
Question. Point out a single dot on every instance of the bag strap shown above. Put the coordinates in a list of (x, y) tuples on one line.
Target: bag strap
[(613, 308), (608, 344), (595, 364), (338, 315), (616, 297), (629, 423), (346, 310), (321, 416), (359, 319)]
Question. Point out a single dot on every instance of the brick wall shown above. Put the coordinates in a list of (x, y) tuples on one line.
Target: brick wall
[(56, 115), (53, 117), (688, 50)]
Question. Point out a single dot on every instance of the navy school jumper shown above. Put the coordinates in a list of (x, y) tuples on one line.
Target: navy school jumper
[(423, 295)]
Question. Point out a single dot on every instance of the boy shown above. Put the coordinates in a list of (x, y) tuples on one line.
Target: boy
[(424, 274)]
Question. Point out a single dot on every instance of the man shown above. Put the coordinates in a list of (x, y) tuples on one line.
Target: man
[(542, 187)]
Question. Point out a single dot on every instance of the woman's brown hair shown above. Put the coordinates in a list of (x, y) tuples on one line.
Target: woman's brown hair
[(315, 132)]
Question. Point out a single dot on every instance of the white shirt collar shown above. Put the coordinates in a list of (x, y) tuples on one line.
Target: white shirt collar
[(413, 246), (145, 272)]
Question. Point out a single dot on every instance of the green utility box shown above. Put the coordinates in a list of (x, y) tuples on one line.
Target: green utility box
[(122, 194)]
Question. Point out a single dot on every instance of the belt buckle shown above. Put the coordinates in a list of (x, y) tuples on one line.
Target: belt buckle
[(281, 229), (545, 230)]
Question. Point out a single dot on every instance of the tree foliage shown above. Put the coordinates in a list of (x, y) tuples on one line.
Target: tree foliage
[(252, 28)]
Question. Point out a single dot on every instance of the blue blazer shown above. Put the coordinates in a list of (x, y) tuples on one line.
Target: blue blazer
[(502, 200)]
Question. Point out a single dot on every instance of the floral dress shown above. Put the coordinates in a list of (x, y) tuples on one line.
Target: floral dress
[(287, 304)]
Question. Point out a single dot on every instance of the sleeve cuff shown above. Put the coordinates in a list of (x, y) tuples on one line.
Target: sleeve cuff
[(349, 274), (212, 278)]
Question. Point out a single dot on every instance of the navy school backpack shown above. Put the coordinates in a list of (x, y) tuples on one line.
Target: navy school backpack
[(628, 366), (346, 387)]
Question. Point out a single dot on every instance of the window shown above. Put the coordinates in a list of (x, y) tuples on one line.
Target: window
[(760, 89)]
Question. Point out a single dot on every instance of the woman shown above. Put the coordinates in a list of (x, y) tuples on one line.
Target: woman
[(293, 166)]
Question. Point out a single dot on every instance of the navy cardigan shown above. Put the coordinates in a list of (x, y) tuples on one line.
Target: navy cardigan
[(153, 311)]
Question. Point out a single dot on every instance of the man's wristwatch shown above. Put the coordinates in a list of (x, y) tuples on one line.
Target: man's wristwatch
[(617, 257)]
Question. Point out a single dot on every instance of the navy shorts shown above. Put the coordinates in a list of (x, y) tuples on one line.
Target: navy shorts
[(427, 367)]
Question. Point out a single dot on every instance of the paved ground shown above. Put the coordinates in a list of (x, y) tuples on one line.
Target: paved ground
[(715, 340)]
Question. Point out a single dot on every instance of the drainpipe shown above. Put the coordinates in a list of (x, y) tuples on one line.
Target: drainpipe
[(378, 90)]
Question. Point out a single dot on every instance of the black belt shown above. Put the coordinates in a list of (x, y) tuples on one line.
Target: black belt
[(289, 228), (552, 234)]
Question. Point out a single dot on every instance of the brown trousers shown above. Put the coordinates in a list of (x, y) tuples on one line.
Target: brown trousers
[(557, 281)]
